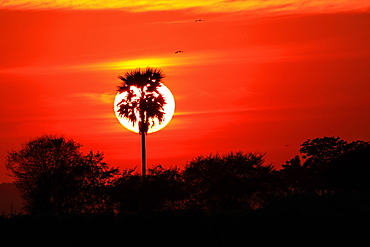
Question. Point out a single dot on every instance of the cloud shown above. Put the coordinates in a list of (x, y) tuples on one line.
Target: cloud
[(134, 63), (196, 5), (103, 98), (194, 58), (255, 54)]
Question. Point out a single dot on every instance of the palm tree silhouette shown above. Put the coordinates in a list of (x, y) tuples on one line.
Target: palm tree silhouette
[(143, 103)]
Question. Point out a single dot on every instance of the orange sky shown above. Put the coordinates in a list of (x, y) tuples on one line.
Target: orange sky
[(254, 75)]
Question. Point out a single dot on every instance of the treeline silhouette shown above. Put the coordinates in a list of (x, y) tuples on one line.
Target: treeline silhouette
[(56, 178), (318, 198)]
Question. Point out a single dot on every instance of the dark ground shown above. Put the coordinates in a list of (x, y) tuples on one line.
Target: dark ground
[(303, 227)]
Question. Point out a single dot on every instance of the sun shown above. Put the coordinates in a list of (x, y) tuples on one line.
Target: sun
[(169, 110)]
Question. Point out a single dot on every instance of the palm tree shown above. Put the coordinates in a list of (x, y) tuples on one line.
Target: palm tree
[(143, 103)]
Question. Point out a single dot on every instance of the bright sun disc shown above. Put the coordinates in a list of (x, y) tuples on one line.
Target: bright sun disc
[(169, 110)]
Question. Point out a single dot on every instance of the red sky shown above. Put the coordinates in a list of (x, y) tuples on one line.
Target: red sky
[(254, 75)]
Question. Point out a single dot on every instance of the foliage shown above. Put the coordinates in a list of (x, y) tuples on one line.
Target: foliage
[(295, 176), (327, 160), (231, 182), (160, 188), (144, 103), (55, 177), (321, 151), (350, 172)]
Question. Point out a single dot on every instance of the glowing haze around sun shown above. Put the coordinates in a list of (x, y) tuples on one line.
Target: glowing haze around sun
[(169, 110)]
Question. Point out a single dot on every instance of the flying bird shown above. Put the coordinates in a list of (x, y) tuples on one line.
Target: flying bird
[(179, 52), (198, 20)]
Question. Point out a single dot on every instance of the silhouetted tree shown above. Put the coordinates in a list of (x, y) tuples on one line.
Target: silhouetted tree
[(167, 187), (319, 155), (294, 175), (350, 173), (230, 182), (126, 192), (161, 188), (143, 103), (320, 151), (55, 177)]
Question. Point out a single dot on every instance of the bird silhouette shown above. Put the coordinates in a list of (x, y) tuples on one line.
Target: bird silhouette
[(198, 20), (179, 52)]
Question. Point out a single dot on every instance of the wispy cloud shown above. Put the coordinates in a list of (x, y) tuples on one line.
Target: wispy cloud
[(243, 109), (194, 58), (138, 62), (196, 5), (105, 98)]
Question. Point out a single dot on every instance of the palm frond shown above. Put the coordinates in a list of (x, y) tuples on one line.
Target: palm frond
[(150, 77), (146, 105)]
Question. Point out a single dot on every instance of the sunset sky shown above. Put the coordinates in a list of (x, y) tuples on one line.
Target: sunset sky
[(254, 75)]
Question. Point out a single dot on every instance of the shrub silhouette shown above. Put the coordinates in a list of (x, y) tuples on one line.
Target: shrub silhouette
[(236, 181), (161, 188)]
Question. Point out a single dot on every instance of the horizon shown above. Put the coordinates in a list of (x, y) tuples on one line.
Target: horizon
[(252, 77)]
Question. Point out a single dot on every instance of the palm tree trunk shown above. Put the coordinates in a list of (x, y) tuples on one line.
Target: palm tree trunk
[(143, 155)]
